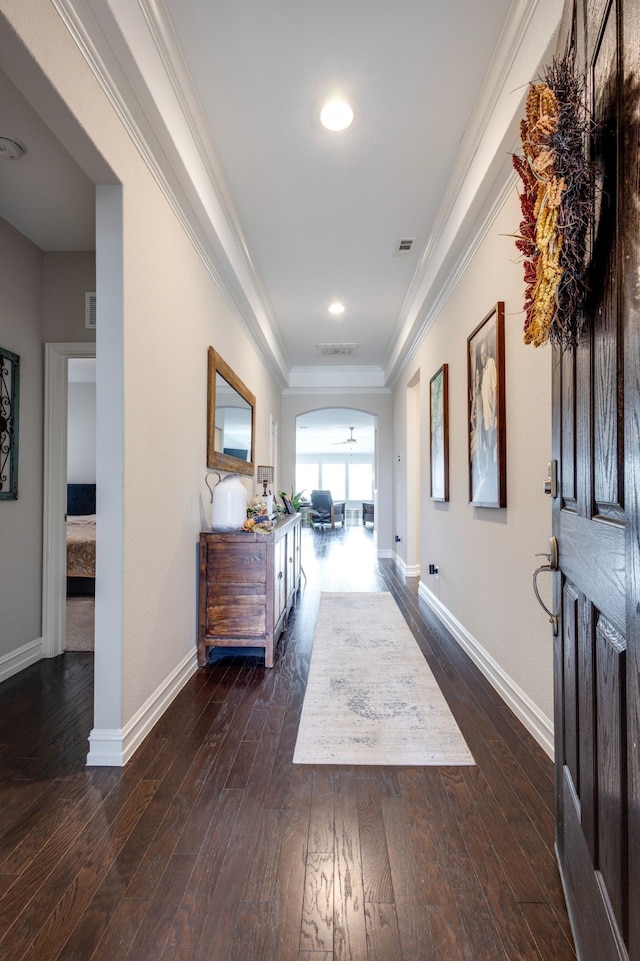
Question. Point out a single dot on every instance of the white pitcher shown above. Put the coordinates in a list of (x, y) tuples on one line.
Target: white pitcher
[(228, 503)]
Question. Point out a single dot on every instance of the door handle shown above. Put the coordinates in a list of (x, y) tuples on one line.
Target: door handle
[(551, 565)]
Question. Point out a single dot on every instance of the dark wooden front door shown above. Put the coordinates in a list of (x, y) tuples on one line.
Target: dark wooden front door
[(596, 437)]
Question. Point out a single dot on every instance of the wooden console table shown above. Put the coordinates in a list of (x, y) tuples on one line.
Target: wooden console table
[(247, 586)]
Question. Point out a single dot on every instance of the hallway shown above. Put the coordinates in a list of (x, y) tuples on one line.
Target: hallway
[(211, 845)]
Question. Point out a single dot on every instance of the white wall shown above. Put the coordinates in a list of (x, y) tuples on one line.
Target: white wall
[(159, 308), (486, 556), (81, 433)]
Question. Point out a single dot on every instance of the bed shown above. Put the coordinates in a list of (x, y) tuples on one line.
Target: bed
[(81, 538)]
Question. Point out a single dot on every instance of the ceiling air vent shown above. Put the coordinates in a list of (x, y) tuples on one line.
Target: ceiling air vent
[(337, 350), (90, 311), (404, 246)]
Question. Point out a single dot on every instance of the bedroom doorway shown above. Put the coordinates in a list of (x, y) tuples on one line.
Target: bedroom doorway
[(54, 592), (81, 504)]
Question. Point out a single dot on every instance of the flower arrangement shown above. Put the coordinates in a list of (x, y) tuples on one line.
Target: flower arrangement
[(557, 206), (256, 507), (258, 520)]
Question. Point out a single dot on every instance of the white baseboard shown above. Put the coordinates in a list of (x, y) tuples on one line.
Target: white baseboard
[(407, 570), (384, 553), (16, 661), (113, 747), (537, 723)]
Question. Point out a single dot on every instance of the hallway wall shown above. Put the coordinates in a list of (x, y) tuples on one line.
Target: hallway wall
[(160, 305), (21, 519), (486, 556), (44, 300)]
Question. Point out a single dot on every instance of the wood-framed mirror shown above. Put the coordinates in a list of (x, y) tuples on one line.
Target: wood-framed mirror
[(231, 413)]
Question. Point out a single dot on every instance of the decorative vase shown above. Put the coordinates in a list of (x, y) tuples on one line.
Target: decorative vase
[(228, 504)]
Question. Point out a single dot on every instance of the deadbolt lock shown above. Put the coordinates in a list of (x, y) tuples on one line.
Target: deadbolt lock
[(550, 486)]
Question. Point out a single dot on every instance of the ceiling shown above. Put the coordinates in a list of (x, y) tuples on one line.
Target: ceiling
[(313, 215)]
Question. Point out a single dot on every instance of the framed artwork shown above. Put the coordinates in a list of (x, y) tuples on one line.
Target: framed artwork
[(288, 505), (486, 407), (439, 433), (9, 403)]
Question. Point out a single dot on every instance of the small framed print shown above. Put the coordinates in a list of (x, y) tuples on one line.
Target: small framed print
[(288, 506), (486, 407), (9, 403), (439, 433)]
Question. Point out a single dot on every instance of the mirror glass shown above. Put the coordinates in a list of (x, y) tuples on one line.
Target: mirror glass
[(231, 418)]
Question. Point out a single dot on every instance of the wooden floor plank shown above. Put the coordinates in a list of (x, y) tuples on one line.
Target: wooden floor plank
[(414, 928), (316, 929), (383, 939), (190, 918), (376, 870), (349, 937)]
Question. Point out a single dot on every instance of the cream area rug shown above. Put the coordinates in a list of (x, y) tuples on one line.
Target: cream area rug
[(371, 697)]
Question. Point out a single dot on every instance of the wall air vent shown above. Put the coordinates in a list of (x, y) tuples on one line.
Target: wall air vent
[(404, 246), (337, 350), (90, 311)]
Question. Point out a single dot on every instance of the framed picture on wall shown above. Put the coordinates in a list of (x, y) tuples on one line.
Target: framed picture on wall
[(9, 403), (486, 409), (439, 433)]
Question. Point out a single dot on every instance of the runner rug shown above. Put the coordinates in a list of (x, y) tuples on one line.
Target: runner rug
[(371, 697)]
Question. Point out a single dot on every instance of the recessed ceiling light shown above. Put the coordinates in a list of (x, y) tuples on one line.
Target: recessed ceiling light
[(336, 308), (336, 114)]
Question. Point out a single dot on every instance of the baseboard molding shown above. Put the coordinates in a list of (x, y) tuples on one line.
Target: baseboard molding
[(407, 570), (537, 723), (384, 553), (16, 661), (113, 747)]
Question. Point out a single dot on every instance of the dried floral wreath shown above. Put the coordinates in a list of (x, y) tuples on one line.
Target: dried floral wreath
[(557, 206)]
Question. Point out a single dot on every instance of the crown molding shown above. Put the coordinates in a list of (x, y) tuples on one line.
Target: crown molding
[(454, 273), (177, 148), (341, 378), (315, 391), (526, 40)]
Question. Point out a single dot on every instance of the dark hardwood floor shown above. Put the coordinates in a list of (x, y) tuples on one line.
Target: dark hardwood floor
[(212, 845)]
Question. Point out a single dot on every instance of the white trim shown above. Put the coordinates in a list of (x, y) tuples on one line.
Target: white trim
[(219, 242), (109, 747), (537, 723), (351, 377), (16, 661), (54, 614), (455, 271), (406, 570), (400, 563)]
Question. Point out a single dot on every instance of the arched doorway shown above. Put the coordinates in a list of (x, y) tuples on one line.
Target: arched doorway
[(336, 451)]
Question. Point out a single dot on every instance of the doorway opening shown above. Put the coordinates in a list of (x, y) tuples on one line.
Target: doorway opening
[(54, 586), (335, 451)]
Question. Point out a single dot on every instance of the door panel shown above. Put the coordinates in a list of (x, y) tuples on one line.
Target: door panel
[(596, 404)]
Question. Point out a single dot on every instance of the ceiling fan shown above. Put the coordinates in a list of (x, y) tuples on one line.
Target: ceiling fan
[(350, 440)]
